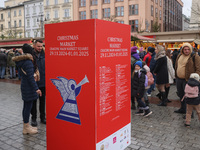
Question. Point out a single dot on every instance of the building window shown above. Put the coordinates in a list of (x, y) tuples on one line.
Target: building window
[(120, 21), (55, 2), (1, 16), (156, 1), (20, 34), (34, 22), (66, 13), (48, 15), (55, 13), (41, 8), (9, 25), (66, 1), (106, 1), (82, 15), (133, 9), (151, 10), (47, 2), (27, 10), (28, 23), (160, 14), (134, 25), (119, 11), (160, 2), (106, 12), (119, 0), (9, 14), (82, 3), (152, 25), (15, 13), (156, 12), (94, 2), (20, 12), (34, 9), (94, 14), (1, 27), (35, 33), (20, 23), (15, 24), (28, 34)]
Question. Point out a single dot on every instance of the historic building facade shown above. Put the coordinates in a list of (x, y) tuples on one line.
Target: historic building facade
[(195, 15)]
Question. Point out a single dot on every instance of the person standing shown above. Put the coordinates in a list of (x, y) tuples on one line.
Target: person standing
[(29, 88), (11, 64), (3, 63), (187, 62), (39, 56), (161, 73)]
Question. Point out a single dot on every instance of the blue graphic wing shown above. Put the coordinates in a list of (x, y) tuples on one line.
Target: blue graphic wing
[(61, 87)]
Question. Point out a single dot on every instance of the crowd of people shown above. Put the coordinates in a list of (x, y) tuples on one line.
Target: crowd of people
[(30, 64), (161, 68)]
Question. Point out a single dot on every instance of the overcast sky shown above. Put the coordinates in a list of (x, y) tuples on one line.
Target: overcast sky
[(186, 7)]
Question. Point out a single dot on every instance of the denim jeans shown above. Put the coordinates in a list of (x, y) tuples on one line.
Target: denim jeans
[(2, 71), (141, 104), (27, 110), (12, 72), (153, 85)]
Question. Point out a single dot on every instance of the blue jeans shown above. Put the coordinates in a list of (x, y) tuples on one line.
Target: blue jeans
[(141, 104), (12, 72), (153, 85), (2, 71), (26, 111)]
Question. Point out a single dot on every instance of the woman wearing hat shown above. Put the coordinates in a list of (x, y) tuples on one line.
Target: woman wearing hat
[(161, 73), (29, 88)]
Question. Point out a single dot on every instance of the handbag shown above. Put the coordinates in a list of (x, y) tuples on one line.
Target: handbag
[(36, 75)]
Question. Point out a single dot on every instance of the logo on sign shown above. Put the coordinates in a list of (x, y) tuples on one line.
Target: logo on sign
[(114, 140), (69, 90)]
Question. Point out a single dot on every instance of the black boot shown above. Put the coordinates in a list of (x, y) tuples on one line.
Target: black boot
[(159, 95), (167, 92), (133, 103), (164, 100)]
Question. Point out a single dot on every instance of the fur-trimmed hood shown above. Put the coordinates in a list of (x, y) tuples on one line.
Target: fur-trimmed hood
[(22, 57), (188, 45)]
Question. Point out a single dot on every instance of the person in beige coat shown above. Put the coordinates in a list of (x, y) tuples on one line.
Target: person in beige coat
[(187, 62)]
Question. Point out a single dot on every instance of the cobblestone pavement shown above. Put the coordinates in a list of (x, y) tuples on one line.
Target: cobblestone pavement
[(161, 131)]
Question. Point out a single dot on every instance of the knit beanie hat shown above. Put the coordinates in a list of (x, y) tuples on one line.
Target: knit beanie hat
[(27, 48), (151, 49), (195, 76), (139, 63), (134, 49)]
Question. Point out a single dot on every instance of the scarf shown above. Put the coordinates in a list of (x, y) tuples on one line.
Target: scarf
[(160, 54)]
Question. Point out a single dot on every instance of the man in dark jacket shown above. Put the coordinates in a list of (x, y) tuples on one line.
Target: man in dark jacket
[(40, 60), (3, 62), (174, 56)]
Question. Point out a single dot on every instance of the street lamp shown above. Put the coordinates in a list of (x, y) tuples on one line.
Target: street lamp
[(40, 19)]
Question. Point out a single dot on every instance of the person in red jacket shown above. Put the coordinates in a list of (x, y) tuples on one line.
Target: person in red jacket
[(147, 57)]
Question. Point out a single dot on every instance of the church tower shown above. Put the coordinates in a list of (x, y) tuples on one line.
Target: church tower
[(195, 15)]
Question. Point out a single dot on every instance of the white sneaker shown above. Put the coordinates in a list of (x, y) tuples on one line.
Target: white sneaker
[(148, 94)]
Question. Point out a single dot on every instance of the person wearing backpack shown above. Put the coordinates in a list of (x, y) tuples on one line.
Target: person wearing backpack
[(192, 97), (150, 81), (187, 62)]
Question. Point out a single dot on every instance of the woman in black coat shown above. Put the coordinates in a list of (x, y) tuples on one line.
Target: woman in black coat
[(161, 73), (29, 88)]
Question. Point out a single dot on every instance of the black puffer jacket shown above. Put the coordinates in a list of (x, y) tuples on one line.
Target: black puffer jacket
[(193, 101), (137, 84)]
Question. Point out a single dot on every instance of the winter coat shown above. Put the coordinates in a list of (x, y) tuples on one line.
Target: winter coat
[(171, 72), (161, 71), (147, 59), (137, 84), (28, 84), (40, 60), (142, 54), (193, 101), (134, 58), (153, 62), (3, 60), (192, 65), (10, 62), (174, 57)]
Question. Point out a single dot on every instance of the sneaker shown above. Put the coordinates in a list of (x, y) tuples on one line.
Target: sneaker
[(140, 113), (147, 113), (148, 94)]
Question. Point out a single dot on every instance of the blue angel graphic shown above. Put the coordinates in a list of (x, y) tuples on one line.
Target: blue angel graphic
[(69, 90)]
